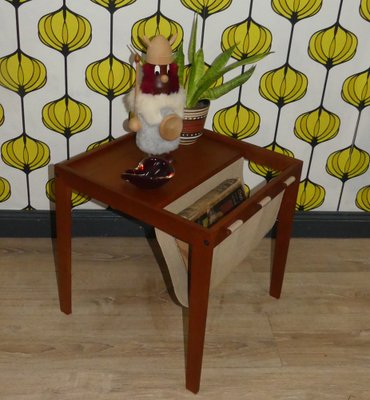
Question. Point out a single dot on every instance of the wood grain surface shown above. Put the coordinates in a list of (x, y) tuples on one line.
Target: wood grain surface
[(125, 338)]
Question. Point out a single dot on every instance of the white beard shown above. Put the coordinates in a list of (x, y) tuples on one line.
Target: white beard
[(149, 105), (151, 109)]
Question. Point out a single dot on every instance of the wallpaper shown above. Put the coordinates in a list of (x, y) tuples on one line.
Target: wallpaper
[(65, 66)]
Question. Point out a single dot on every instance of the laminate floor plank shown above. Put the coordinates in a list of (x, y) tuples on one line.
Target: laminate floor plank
[(125, 337)]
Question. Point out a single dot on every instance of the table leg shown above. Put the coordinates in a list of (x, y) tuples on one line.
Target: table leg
[(282, 240), (63, 243), (199, 282)]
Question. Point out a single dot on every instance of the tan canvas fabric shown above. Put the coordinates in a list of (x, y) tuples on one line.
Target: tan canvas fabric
[(228, 254)]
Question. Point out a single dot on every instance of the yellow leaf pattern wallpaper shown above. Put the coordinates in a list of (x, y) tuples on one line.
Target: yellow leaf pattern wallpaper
[(66, 66)]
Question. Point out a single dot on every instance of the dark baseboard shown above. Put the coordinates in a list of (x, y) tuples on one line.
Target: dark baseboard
[(84, 223), (331, 224), (111, 223)]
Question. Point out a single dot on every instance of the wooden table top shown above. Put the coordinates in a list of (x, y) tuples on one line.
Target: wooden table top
[(98, 175), (193, 164)]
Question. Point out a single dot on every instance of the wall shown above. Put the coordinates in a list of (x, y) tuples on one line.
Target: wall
[(65, 67)]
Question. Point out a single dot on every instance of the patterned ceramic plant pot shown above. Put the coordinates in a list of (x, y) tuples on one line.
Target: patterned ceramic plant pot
[(193, 122)]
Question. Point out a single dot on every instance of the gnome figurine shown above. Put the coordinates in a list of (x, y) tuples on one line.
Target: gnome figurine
[(157, 104)]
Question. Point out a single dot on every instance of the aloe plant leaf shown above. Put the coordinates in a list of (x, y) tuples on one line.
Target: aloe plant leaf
[(214, 72), (218, 70), (221, 60), (196, 72), (216, 92), (193, 40), (179, 58), (245, 61), (200, 80)]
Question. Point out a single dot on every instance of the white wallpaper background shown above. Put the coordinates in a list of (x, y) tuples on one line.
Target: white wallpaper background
[(65, 67)]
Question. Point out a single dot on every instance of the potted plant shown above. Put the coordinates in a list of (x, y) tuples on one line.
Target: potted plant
[(200, 82)]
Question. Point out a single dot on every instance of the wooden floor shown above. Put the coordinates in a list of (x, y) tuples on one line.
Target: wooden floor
[(125, 337)]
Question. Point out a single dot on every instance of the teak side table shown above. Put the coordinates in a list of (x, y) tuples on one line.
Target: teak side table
[(98, 175)]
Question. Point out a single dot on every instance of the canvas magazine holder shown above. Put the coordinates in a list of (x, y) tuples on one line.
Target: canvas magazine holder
[(244, 236)]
